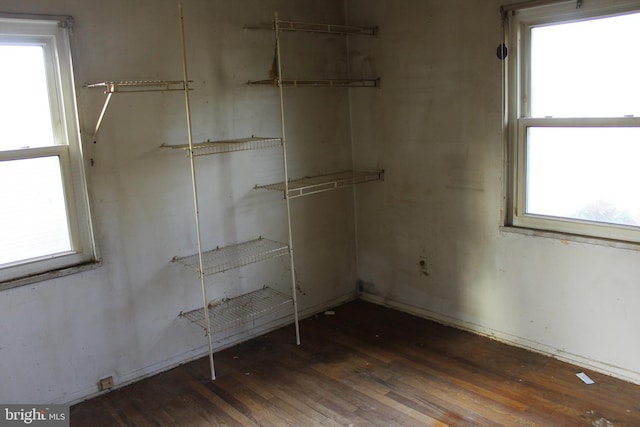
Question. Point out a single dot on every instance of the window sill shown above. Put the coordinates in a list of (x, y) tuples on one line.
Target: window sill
[(53, 274), (564, 237)]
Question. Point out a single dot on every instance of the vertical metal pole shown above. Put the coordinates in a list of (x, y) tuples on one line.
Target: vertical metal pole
[(205, 301), (351, 143), (286, 177)]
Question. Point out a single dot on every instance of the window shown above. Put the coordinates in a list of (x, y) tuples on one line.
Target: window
[(44, 213), (573, 114)]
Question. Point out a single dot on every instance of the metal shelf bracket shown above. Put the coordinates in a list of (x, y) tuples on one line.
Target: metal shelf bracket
[(131, 86)]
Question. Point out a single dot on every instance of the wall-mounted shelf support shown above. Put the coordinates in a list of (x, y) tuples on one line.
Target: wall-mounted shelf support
[(321, 183), (132, 86)]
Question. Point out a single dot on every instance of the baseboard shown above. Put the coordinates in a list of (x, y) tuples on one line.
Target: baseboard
[(199, 352), (575, 359)]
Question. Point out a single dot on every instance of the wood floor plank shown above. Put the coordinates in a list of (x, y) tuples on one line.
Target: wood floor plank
[(372, 351), (321, 398), (288, 400), (378, 393), (367, 365), (283, 403), (219, 409)]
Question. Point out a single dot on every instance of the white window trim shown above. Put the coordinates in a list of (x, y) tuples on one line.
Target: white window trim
[(54, 33), (518, 19)]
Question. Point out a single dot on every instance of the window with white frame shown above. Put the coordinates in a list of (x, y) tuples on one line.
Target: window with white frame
[(44, 212), (573, 115)]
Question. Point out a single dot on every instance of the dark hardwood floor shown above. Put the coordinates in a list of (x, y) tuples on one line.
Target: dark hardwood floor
[(369, 365)]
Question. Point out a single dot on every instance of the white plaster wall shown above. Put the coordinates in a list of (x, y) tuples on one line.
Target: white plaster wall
[(435, 126), (59, 337)]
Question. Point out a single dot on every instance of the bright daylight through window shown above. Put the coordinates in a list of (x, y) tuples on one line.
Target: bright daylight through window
[(574, 118), (44, 220)]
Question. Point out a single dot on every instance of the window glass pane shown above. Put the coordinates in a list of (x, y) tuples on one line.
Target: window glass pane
[(33, 217), (25, 113), (586, 69), (584, 173)]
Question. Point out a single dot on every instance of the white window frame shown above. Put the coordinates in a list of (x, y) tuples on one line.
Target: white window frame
[(519, 19), (53, 34)]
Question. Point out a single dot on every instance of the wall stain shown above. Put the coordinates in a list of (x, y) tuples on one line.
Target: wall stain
[(424, 270)]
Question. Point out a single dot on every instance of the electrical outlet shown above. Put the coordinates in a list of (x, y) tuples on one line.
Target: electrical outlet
[(105, 383)]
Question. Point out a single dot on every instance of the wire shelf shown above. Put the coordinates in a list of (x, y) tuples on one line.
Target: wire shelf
[(284, 25), (234, 256), (139, 86), (318, 184), (319, 83), (133, 86), (217, 147), (241, 310)]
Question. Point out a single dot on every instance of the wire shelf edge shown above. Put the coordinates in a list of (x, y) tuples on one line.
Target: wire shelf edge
[(243, 309)]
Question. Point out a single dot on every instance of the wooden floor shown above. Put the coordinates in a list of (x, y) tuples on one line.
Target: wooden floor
[(368, 365)]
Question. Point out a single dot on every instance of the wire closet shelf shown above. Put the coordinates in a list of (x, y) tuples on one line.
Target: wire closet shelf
[(234, 256), (133, 86), (238, 311), (285, 25), (321, 183), (282, 25), (226, 146), (318, 82), (139, 86)]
